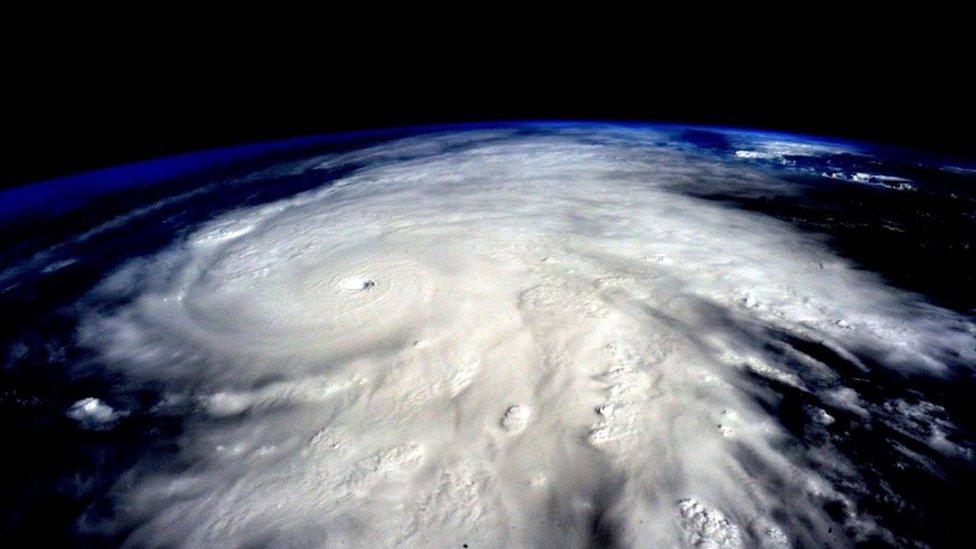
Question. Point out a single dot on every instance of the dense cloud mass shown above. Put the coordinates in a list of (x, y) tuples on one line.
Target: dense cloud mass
[(510, 339)]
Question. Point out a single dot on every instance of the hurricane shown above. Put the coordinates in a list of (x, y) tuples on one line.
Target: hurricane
[(544, 336)]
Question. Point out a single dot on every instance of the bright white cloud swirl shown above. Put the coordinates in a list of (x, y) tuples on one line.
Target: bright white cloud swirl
[(503, 340)]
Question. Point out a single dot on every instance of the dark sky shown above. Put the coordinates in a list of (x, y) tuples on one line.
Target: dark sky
[(87, 106)]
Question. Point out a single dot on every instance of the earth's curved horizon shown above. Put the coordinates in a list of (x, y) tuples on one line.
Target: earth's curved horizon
[(540, 334)]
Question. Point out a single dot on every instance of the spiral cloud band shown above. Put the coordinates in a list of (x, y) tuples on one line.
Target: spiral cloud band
[(511, 339)]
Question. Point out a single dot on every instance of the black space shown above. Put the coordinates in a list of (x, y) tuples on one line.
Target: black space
[(97, 100)]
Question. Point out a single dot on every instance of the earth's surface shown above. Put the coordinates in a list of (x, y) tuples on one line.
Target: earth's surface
[(545, 335)]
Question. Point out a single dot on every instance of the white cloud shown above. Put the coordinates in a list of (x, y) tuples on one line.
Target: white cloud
[(93, 413), (541, 334), (753, 147), (878, 180)]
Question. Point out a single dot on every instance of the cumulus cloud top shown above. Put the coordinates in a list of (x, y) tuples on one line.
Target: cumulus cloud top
[(519, 339), (93, 413)]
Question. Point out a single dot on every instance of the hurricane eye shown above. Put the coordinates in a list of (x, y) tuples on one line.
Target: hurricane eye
[(357, 284)]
